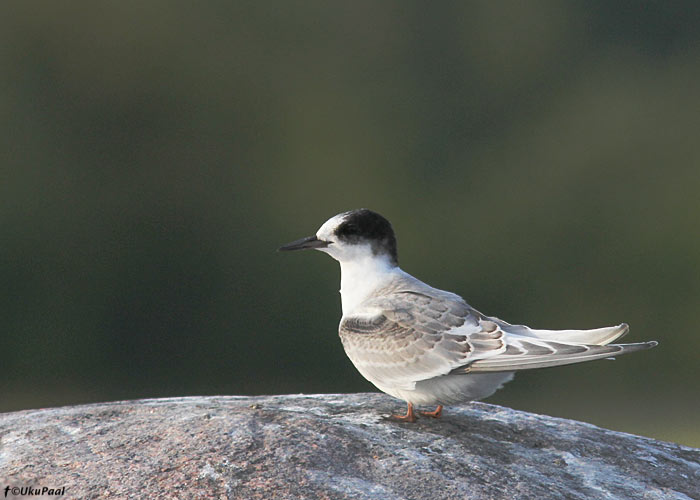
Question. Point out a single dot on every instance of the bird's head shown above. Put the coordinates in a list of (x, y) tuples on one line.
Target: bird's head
[(354, 235)]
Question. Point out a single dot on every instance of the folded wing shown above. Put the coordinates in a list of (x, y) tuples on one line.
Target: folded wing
[(400, 339)]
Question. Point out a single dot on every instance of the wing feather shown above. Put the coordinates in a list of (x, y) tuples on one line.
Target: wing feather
[(404, 336), (518, 357)]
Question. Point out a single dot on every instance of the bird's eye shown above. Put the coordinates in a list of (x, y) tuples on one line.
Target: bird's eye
[(347, 230)]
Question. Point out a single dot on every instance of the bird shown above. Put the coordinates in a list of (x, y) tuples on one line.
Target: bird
[(427, 346)]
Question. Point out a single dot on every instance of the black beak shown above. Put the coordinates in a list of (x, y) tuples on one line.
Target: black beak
[(303, 244)]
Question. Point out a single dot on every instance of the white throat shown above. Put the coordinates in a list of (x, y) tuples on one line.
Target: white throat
[(360, 277)]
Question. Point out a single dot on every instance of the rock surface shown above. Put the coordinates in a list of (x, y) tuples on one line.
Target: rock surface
[(331, 446)]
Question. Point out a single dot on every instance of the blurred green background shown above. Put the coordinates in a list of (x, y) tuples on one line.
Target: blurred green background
[(542, 159)]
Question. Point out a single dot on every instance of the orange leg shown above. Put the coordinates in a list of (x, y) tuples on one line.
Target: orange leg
[(408, 417), (434, 414)]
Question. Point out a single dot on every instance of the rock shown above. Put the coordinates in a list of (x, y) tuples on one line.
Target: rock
[(331, 446)]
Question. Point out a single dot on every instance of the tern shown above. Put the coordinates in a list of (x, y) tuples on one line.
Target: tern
[(428, 346)]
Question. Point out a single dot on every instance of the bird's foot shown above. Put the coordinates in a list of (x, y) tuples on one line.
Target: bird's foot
[(433, 414), (409, 417)]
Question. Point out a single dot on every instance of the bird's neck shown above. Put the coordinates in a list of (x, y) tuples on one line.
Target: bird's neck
[(360, 277)]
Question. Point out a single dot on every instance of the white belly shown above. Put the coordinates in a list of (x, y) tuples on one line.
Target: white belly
[(450, 389)]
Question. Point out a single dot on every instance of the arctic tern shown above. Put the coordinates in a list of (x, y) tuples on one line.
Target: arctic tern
[(428, 346)]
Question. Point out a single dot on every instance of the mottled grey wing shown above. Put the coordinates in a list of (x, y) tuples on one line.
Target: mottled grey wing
[(405, 337), (527, 353)]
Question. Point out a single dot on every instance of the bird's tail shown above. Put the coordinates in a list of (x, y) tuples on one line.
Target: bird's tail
[(596, 336), (528, 349)]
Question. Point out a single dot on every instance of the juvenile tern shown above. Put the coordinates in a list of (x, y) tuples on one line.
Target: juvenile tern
[(428, 346)]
